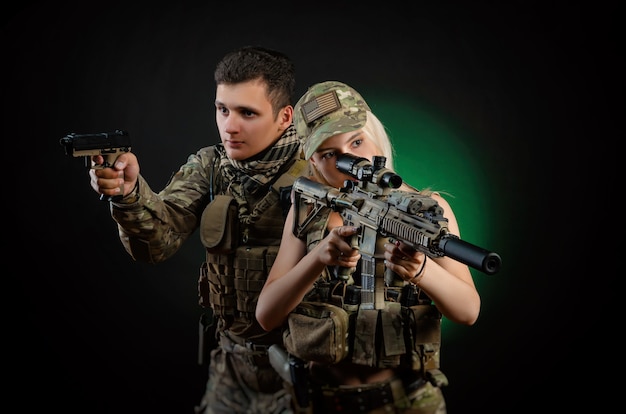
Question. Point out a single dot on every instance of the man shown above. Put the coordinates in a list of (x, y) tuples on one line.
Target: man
[(236, 193)]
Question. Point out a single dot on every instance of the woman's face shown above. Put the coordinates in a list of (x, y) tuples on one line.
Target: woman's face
[(325, 157)]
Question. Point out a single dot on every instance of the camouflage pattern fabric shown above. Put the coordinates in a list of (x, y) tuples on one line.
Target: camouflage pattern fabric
[(229, 391), (426, 399), (327, 109), (153, 226)]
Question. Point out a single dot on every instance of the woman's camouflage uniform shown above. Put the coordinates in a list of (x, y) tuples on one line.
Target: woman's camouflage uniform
[(405, 336)]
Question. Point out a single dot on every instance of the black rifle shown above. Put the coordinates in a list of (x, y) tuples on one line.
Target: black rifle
[(379, 210)]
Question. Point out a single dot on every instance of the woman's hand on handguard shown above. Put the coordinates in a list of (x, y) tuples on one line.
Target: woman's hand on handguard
[(404, 260), (447, 282)]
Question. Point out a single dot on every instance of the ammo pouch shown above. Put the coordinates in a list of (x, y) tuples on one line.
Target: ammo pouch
[(317, 332), (322, 332), (424, 331), (219, 225)]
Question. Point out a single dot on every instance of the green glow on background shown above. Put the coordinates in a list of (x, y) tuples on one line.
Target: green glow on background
[(430, 152)]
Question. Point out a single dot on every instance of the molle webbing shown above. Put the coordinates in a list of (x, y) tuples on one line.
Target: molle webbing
[(250, 275), (217, 283), (235, 280)]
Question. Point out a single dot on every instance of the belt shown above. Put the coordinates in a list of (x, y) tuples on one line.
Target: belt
[(256, 347), (249, 345), (367, 398), (257, 352)]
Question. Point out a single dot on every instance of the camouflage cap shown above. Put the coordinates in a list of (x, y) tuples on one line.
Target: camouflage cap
[(326, 109)]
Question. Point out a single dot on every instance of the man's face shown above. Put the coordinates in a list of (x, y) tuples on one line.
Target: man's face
[(245, 119)]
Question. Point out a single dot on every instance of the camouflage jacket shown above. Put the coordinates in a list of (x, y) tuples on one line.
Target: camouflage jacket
[(153, 226)]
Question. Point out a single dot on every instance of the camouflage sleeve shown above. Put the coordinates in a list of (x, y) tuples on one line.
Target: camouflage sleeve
[(153, 226)]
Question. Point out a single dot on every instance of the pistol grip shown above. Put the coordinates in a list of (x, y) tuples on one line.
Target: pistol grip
[(108, 164), (345, 273)]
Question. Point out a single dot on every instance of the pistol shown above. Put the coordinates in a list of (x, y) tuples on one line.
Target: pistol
[(109, 145)]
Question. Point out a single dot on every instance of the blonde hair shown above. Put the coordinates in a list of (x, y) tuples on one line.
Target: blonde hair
[(376, 131)]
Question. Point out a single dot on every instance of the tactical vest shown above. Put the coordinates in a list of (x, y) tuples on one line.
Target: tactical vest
[(239, 256), (332, 324)]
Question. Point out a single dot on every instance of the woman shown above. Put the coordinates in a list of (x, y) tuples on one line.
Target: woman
[(333, 119)]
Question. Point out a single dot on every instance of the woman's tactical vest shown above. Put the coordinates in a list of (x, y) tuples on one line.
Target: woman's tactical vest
[(333, 325), (240, 254)]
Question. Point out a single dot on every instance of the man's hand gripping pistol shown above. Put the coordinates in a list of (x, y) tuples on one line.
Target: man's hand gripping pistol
[(109, 145), (375, 206)]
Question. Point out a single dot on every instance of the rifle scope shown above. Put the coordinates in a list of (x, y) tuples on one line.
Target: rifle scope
[(364, 170)]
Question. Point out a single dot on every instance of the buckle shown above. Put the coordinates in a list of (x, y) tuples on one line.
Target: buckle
[(256, 347)]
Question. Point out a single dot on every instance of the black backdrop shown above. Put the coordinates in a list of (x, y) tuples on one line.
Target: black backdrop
[(88, 330)]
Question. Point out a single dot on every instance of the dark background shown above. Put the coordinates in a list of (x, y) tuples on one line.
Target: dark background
[(89, 330)]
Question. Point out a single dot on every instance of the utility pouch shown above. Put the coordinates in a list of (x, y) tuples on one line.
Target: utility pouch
[(317, 332), (425, 326), (219, 225)]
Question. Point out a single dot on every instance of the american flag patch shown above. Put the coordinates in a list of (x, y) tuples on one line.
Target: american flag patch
[(320, 106)]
